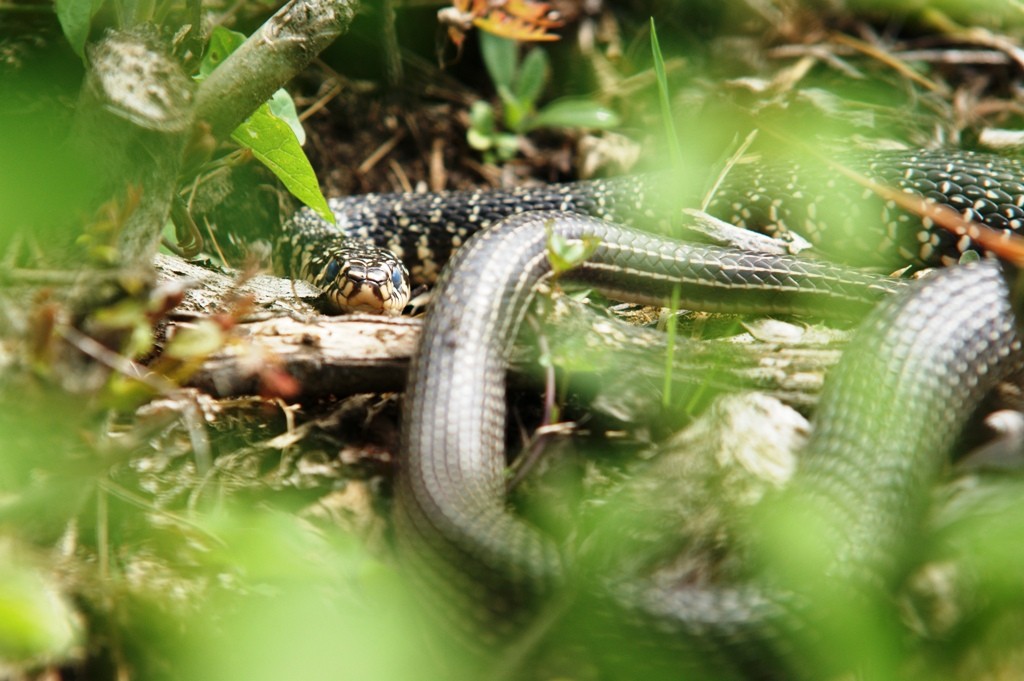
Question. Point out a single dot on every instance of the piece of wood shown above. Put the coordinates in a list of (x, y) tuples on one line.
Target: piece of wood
[(362, 353)]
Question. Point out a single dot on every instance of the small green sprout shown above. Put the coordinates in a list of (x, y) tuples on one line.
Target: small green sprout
[(520, 83)]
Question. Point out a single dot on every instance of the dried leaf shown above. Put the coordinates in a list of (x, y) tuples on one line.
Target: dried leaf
[(515, 19)]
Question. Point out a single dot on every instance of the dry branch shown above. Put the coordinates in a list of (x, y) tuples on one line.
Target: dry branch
[(347, 355)]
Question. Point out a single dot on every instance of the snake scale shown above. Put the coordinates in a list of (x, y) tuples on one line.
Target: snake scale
[(862, 480)]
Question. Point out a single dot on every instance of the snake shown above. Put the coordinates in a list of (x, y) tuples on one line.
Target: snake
[(382, 246), (863, 478)]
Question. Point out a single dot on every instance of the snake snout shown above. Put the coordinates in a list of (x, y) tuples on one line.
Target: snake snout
[(379, 287)]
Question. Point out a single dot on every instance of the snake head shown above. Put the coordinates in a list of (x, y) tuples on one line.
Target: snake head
[(361, 278)]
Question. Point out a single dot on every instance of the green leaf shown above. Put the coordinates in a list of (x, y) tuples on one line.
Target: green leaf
[(481, 126), (508, 98), (75, 17), (272, 141), (36, 621), (968, 257), (137, 12), (516, 113), (533, 74), (565, 255), (140, 341), (196, 342), (481, 116), (222, 43), (501, 58), (574, 113), (283, 106), (507, 145), (675, 151), (479, 140), (128, 315), (121, 315)]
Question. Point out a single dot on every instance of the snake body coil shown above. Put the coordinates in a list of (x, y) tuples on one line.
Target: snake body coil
[(865, 473), (863, 479), (450, 501)]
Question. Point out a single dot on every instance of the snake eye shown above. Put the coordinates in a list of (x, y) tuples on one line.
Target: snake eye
[(396, 279), (332, 270)]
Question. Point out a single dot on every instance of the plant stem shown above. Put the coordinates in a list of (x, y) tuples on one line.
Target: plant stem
[(272, 56)]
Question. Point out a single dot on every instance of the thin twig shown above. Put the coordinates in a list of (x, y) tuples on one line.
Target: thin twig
[(134, 499), (114, 361), (380, 152), (1005, 244), (334, 91), (890, 60), (733, 159)]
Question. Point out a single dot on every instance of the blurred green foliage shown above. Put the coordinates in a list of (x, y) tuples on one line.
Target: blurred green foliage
[(122, 554)]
